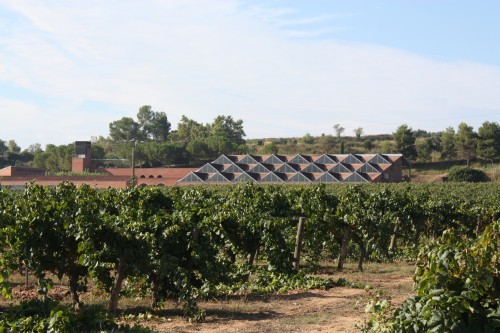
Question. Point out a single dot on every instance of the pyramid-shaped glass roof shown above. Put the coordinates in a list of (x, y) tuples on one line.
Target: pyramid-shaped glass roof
[(300, 177), (273, 177), (236, 168), (352, 159), (259, 168), (341, 168), (368, 168), (314, 168), (275, 159), (356, 177), (353, 168), (194, 177), (287, 168), (218, 178), (328, 177), (326, 159), (211, 168), (245, 177), (379, 159), (223, 159), (300, 159), (249, 159)]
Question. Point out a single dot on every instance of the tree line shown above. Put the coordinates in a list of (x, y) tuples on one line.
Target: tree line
[(193, 143)]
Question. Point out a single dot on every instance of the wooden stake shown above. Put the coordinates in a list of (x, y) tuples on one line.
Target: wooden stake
[(298, 243)]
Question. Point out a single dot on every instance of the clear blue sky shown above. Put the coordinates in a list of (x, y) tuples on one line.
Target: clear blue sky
[(286, 67)]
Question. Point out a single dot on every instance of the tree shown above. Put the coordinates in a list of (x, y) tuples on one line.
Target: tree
[(338, 130), (424, 149), (448, 149), (198, 150), (163, 153), (55, 158), (153, 125), (189, 130), (13, 147), (229, 129), (405, 141), (226, 135), (308, 139), (270, 148), (465, 141), (3, 147), (368, 144), (125, 129), (327, 143), (358, 132), (488, 140), (34, 149)]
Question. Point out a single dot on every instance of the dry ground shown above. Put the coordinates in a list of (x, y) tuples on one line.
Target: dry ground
[(334, 310)]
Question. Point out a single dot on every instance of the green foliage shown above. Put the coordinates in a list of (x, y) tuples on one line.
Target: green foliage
[(55, 158), (488, 140), (267, 282), (466, 174), (465, 141), (49, 316), (447, 140), (405, 141), (308, 139), (457, 285), (380, 309), (154, 125), (125, 129), (184, 243)]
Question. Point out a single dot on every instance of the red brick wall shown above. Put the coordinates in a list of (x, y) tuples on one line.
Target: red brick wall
[(14, 171), (153, 176), (79, 164), (117, 182)]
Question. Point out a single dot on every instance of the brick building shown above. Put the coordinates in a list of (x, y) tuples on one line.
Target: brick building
[(326, 168)]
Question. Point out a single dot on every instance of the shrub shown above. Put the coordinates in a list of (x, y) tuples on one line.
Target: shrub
[(466, 174), (47, 315), (457, 289)]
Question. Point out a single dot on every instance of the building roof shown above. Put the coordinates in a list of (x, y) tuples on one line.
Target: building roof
[(300, 168)]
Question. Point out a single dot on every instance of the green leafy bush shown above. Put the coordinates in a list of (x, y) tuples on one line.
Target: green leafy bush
[(47, 315), (466, 174), (457, 285)]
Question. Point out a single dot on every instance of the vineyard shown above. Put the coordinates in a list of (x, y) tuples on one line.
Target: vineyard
[(192, 243)]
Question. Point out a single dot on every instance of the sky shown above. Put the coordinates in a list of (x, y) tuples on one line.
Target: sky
[(285, 67)]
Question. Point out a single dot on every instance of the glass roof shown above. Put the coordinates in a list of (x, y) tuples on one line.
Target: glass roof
[(300, 159), (379, 159), (356, 178), (352, 159), (314, 168), (275, 159), (341, 168), (218, 178), (300, 177), (287, 168), (326, 159), (369, 168), (328, 177), (272, 177)]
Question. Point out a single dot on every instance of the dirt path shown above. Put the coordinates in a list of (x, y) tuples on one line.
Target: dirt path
[(331, 310)]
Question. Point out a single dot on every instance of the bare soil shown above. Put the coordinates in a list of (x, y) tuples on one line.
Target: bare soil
[(335, 310)]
